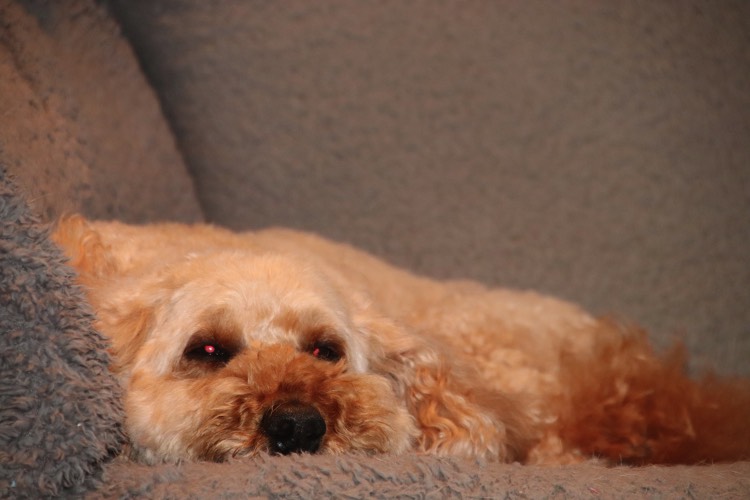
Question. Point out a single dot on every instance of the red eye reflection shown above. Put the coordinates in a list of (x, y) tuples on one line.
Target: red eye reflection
[(325, 351), (209, 351)]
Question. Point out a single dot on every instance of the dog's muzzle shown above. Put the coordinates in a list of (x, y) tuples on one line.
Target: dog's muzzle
[(293, 427)]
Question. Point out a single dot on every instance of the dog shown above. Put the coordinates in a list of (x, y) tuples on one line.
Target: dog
[(277, 341)]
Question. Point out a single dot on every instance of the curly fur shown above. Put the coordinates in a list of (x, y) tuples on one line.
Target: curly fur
[(446, 368)]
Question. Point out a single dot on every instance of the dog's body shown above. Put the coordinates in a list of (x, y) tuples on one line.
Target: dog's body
[(279, 341)]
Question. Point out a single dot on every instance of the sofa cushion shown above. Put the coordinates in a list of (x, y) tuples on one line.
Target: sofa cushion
[(81, 129)]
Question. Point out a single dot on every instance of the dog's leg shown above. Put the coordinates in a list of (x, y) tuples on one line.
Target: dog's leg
[(455, 414)]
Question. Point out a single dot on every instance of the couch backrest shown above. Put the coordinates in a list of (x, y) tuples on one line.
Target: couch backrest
[(80, 128)]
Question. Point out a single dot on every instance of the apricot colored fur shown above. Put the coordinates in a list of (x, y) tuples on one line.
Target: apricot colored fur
[(450, 368)]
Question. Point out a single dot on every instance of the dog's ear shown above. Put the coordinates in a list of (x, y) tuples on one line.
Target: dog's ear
[(123, 317), (127, 324), (84, 248), (453, 414)]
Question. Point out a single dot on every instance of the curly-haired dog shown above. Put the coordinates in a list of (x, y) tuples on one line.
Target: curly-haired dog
[(229, 344)]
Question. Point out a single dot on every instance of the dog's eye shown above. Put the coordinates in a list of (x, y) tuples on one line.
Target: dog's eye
[(209, 352), (325, 351)]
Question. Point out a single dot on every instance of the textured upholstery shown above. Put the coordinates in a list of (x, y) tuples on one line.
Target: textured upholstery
[(80, 128)]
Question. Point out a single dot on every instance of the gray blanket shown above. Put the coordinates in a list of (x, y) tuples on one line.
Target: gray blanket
[(60, 414)]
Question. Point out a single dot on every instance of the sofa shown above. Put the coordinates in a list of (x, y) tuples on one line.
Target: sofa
[(596, 152)]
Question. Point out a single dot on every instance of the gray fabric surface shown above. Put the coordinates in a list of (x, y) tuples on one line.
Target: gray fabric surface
[(597, 151), (80, 128), (424, 477), (60, 410)]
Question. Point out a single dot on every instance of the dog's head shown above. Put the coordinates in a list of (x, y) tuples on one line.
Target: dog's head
[(228, 353)]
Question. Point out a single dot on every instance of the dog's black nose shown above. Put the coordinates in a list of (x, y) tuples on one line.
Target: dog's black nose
[(293, 427)]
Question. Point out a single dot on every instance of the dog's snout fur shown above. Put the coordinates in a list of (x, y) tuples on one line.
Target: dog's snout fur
[(293, 427)]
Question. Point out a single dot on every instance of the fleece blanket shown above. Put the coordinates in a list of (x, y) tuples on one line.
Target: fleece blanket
[(61, 419), (60, 414)]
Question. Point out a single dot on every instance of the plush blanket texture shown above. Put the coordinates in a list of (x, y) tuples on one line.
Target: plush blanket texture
[(60, 408), (412, 476)]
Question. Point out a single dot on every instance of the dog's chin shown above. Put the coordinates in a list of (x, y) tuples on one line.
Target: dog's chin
[(275, 401)]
